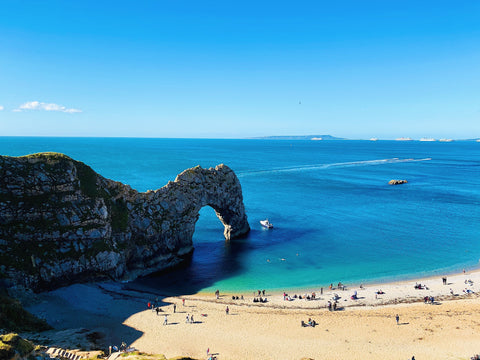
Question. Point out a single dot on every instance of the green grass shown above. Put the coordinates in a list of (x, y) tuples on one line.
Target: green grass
[(49, 155)]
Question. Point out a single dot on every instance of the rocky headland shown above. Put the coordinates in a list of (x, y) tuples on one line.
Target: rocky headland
[(61, 222)]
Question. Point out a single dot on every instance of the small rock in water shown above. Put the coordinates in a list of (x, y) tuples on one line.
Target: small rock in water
[(397, 182)]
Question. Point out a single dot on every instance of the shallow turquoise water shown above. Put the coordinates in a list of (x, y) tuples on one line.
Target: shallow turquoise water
[(335, 217)]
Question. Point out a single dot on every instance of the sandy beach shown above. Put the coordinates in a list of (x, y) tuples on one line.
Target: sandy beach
[(364, 328)]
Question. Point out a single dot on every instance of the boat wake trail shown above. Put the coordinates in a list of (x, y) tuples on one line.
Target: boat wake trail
[(329, 166)]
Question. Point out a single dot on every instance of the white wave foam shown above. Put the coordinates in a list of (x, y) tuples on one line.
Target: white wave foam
[(329, 166)]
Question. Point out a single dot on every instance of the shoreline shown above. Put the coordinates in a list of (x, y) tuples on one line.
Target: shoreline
[(272, 330), (426, 275), (474, 271), (397, 292)]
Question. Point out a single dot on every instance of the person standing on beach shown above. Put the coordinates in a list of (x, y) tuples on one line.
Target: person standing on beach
[(183, 302), (227, 310), (191, 320), (397, 318), (188, 319), (165, 321), (174, 308)]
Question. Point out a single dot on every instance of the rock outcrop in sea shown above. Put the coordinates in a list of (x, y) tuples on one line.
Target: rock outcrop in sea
[(61, 222), (397, 182)]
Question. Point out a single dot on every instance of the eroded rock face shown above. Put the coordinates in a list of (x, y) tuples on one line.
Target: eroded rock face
[(61, 222)]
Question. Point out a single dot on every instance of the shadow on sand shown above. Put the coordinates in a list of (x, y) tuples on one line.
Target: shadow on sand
[(104, 306)]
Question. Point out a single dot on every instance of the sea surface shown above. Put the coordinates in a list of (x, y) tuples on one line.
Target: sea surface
[(335, 216)]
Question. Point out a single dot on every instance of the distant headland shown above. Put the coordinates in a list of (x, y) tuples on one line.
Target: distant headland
[(301, 137)]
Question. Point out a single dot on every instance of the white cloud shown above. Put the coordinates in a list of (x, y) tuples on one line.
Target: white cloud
[(1, 108), (37, 105)]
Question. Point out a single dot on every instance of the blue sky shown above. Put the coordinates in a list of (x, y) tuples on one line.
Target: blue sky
[(209, 69)]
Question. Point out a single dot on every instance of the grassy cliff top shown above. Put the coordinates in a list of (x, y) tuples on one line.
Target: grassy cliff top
[(43, 156)]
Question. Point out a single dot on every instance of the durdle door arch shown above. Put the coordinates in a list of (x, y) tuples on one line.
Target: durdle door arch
[(61, 222), (218, 188)]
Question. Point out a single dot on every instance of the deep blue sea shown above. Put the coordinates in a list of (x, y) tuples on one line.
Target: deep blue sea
[(335, 217)]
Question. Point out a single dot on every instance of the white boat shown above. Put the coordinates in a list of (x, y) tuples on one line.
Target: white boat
[(267, 224)]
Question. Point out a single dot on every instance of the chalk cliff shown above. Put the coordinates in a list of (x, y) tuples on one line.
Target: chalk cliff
[(61, 222)]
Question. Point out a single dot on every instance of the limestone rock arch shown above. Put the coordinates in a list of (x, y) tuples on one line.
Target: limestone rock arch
[(61, 222)]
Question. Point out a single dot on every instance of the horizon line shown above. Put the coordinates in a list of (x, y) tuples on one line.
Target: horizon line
[(268, 137)]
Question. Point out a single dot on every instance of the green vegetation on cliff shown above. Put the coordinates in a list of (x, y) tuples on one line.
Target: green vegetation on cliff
[(13, 317), (89, 186), (88, 179), (119, 213), (47, 155), (11, 344)]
